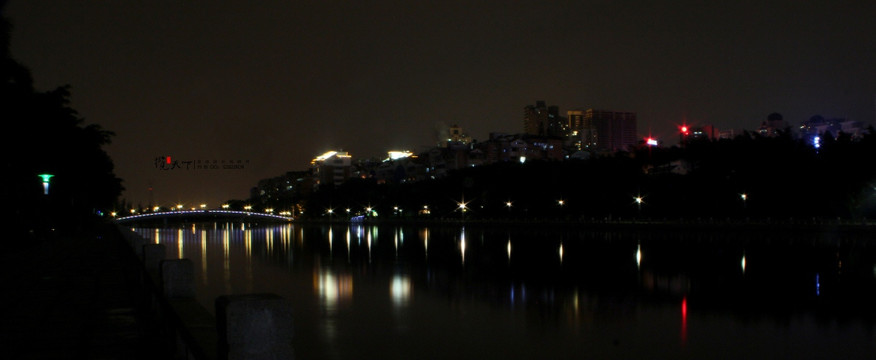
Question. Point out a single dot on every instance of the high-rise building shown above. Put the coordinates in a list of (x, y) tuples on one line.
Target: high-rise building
[(602, 130), (283, 190), (818, 126), (773, 125), (332, 167), (543, 120), (576, 119), (456, 137), (726, 134), (705, 132), (581, 132)]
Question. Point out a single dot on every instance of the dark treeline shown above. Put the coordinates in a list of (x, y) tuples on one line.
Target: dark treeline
[(780, 177), (45, 135)]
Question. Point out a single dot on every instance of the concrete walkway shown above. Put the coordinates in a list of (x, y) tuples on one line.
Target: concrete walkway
[(74, 298)]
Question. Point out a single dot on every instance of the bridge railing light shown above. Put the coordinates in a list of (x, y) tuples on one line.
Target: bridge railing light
[(285, 215)]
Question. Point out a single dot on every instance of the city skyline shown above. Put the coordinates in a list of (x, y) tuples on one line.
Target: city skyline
[(271, 86)]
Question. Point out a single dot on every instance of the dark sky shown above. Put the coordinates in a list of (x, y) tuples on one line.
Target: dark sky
[(276, 84)]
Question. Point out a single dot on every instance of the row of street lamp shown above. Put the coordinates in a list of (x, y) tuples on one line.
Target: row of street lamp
[(462, 206)]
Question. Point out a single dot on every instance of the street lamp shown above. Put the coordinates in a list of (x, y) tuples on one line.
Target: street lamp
[(45, 178), (639, 201), (462, 206), (508, 205), (744, 198)]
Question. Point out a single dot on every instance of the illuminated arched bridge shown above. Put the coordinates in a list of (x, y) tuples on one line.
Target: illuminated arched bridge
[(204, 215)]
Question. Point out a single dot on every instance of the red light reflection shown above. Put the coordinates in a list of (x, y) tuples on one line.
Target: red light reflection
[(684, 321)]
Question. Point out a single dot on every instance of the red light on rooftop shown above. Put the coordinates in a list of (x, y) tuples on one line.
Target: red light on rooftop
[(168, 160)]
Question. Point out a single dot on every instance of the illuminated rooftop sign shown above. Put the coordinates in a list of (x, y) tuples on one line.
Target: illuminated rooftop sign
[(328, 155), (395, 154)]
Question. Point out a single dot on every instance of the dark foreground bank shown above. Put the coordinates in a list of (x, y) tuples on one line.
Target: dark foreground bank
[(74, 296)]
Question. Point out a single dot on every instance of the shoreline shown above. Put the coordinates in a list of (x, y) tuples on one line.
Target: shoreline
[(707, 224), (679, 224)]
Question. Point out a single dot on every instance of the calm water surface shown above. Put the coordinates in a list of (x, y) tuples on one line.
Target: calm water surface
[(480, 292)]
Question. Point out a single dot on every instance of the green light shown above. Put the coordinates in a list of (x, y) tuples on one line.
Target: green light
[(45, 178)]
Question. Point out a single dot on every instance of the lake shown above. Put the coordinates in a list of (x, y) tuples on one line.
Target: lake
[(547, 292)]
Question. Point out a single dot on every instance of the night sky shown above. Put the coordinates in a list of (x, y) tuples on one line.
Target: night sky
[(274, 85)]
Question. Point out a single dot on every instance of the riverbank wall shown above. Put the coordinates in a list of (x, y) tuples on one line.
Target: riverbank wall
[(245, 326)]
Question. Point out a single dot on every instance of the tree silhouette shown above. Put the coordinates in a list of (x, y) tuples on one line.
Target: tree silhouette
[(783, 179), (45, 135)]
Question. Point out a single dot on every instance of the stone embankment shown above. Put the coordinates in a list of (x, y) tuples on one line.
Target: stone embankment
[(246, 326), (104, 293)]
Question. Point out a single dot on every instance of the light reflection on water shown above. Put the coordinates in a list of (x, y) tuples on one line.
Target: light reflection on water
[(460, 292)]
